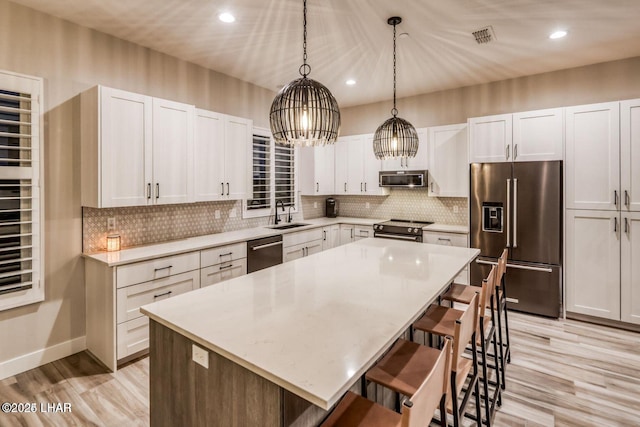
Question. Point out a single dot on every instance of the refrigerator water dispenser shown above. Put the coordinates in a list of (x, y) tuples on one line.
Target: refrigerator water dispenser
[(492, 217)]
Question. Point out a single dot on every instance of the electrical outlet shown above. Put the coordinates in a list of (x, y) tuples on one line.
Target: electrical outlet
[(232, 213), (200, 356), (456, 209), (315, 205), (216, 214), (111, 224), (367, 205)]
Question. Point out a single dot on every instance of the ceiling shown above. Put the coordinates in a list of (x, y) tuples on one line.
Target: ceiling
[(351, 39)]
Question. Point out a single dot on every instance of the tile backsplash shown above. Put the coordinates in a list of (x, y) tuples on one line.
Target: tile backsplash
[(143, 225)]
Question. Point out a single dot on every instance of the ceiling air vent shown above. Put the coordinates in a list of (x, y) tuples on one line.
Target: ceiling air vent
[(484, 35)]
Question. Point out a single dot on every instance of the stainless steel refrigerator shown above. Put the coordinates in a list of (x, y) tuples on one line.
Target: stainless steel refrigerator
[(519, 206)]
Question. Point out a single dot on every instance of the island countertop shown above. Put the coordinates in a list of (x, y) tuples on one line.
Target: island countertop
[(313, 326)]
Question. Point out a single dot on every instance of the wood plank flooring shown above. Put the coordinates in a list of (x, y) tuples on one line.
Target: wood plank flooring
[(563, 373)]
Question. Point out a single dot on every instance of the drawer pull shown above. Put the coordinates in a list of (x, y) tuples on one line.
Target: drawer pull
[(228, 254), (222, 267), (164, 294), (442, 239), (163, 268)]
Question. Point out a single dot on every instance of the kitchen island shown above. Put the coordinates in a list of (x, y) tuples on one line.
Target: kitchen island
[(282, 345)]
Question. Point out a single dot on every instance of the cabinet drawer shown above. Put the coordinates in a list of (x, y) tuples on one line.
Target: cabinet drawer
[(130, 299), (156, 268), (291, 239), (448, 239), (214, 256), (221, 272), (363, 231), (133, 336)]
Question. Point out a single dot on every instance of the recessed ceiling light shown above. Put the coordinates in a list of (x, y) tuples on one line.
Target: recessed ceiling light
[(350, 82), (226, 17), (403, 35), (558, 34)]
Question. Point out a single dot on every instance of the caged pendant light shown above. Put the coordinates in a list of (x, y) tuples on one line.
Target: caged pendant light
[(305, 112), (396, 137)]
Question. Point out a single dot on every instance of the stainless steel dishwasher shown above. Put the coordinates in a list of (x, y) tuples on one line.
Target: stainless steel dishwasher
[(263, 253)]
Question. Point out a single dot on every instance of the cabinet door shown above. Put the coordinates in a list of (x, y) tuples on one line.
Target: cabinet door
[(355, 173), (290, 253), (362, 232), (313, 247), (421, 160), (593, 156), (209, 156), (371, 169), (341, 160), (538, 135), (448, 165), (172, 151), (346, 234), (334, 235), (490, 139), (592, 266), (125, 148), (394, 164), (630, 268), (221, 272), (238, 138), (630, 154), (324, 169)]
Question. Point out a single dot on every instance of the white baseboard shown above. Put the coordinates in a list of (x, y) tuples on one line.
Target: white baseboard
[(41, 357)]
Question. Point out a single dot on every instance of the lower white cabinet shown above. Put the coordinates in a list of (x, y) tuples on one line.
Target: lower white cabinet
[(449, 239), (347, 233), (630, 268), (330, 236), (224, 271), (301, 244)]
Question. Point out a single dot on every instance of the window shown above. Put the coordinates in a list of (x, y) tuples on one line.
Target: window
[(273, 175), (20, 200)]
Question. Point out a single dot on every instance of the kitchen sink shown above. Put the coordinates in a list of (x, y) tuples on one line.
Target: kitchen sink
[(287, 226)]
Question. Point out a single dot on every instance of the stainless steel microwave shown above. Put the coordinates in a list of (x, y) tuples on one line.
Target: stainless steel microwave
[(407, 179)]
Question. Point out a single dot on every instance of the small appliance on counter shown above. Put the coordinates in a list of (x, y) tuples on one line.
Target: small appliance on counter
[(331, 207)]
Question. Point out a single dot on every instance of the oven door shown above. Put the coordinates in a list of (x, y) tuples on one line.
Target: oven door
[(384, 235)]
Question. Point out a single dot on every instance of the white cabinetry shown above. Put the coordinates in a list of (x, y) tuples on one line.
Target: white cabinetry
[(223, 263), (330, 236), (520, 137), (220, 159), (316, 170), (448, 163), (301, 244), (630, 155), (593, 156), (115, 328), (356, 166), (449, 239), (630, 268), (419, 162), (347, 233)]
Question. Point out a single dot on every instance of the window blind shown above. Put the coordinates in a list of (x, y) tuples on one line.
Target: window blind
[(261, 173), (285, 174)]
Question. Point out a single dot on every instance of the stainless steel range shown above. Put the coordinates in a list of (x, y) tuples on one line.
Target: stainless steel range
[(400, 229)]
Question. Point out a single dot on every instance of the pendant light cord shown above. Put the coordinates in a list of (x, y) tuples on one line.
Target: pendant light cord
[(305, 68), (394, 111)]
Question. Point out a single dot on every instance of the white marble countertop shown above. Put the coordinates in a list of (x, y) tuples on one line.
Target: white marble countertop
[(174, 247), (447, 228), (314, 325)]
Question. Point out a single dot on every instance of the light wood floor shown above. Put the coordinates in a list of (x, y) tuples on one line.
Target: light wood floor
[(563, 373)]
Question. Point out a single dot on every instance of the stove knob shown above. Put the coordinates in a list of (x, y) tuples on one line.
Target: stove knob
[(380, 227), (409, 230)]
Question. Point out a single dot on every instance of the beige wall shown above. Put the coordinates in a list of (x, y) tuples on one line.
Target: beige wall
[(608, 81), (71, 59)]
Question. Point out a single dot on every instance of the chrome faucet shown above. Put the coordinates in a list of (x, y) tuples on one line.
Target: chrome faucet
[(277, 219)]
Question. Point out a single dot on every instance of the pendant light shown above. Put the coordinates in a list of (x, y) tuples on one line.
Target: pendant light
[(305, 112), (396, 137)]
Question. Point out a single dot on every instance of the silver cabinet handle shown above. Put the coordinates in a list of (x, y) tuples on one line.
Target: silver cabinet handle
[(508, 212), (361, 187), (615, 224), (163, 268), (515, 151), (317, 187), (345, 187), (227, 188), (157, 190), (266, 245), (148, 190), (161, 295), (626, 225), (615, 197), (222, 186), (515, 212), (365, 187), (507, 151), (626, 198)]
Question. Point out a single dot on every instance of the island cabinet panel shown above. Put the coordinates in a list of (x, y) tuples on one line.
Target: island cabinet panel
[(184, 393)]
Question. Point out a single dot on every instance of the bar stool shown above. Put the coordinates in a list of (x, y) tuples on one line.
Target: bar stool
[(417, 411), (439, 321), (463, 293)]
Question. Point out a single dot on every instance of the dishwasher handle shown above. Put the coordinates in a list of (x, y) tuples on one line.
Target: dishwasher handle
[(267, 245)]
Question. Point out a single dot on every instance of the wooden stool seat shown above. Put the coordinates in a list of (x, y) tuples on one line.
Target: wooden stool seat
[(438, 320), (356, 411), (459, 293), (404, 367)]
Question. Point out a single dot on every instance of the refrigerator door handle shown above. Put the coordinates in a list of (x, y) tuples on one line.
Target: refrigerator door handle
[(517, 266), (515, 212), (508, 213)]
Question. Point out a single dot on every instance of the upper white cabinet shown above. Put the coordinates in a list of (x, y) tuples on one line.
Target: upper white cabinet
[(448, 164), (490, 138), (593, 156), (221, 146), (538, 135), (172, 152), (356, 166), (317, 170), (630, 155), (519, 137), (116, 130), (419, 162)]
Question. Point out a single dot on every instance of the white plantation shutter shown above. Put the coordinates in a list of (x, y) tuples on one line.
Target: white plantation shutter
[(261, 174), (284, 174), (20, 198)]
